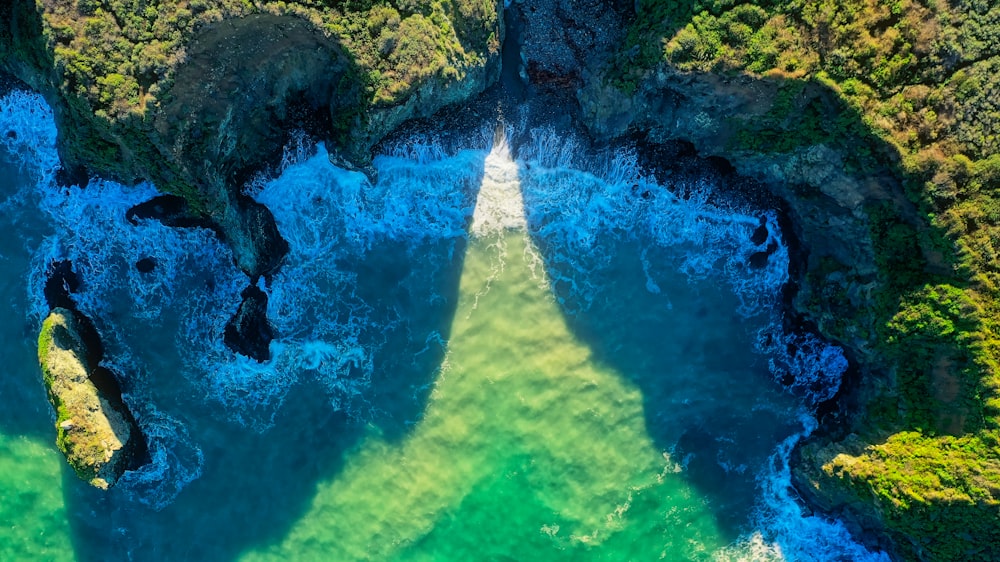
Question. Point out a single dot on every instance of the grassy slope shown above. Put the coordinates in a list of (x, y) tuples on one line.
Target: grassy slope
[(923, 80)]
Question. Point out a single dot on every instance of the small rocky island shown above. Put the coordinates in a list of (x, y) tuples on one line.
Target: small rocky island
[(94, 429)]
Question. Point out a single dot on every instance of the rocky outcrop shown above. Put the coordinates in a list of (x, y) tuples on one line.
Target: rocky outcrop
[(564, 42), (571, 43), (248, 332), (824, 197), (859, 512), (788, 135), (94, 430)]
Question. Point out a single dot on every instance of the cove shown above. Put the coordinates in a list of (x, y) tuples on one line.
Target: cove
[(530, 447), (483, 356)]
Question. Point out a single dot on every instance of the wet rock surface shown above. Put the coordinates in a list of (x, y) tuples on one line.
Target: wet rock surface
[(60, 283), (564, 41), (171, 210), (248, 332)]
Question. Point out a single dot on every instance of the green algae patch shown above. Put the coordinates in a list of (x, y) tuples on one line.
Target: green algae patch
[(96, 437)]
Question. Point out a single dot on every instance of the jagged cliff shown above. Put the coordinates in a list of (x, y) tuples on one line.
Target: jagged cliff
[(860, 116)]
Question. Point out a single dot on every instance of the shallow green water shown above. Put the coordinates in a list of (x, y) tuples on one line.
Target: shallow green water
[(33, 515), (530, 449)]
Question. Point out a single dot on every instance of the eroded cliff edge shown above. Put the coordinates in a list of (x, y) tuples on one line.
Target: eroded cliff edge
[(196, 97)]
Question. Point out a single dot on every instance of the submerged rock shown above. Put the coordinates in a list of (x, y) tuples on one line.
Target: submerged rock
[(248, 332), (94, 430)]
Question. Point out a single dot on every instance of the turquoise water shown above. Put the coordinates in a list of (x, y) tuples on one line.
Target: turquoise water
[(481, 357)]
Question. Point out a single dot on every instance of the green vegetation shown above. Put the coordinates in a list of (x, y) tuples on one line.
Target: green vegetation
[(94, 437), (119, 55), (907, 88), (939, 492)]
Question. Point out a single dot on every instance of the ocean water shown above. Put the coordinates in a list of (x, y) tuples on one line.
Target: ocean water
[(493, 353)]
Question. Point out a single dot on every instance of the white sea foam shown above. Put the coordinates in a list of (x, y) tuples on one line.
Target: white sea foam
[(572, 203), (809, 366), (499, 204), (28, 134), (784, 531), (175, 460), (331, 216), (128, 306)]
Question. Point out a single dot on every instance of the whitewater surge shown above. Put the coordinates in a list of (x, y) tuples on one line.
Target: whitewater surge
[(331, 329)]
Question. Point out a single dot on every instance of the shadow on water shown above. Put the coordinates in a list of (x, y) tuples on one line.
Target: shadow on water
[(255, 487), (690, 354), (25, 410), (421, 292)]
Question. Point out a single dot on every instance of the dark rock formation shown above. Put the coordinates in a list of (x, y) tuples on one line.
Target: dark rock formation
[(146, 265), (60, 282), (565, 41), (94, 429), (248, 332), (825, 200), (171, 210), (229, 109)]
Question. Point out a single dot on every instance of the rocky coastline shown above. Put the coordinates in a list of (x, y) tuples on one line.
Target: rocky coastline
[(206, 143), (553, 76)]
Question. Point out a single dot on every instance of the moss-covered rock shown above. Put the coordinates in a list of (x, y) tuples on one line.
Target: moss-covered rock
[(93, 430)]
